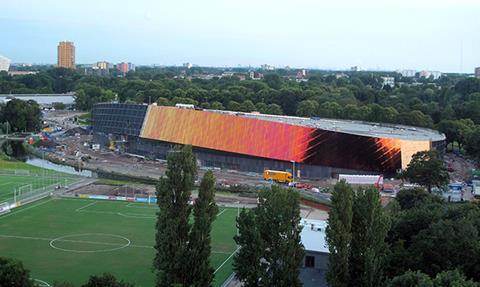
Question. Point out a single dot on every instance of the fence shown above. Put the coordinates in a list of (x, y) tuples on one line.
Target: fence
[(21, 197), (150, 199)]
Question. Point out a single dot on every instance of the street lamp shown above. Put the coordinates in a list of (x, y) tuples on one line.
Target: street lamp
[(293, 170)]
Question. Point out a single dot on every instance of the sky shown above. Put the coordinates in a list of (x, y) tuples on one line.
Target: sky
[(441, 35)]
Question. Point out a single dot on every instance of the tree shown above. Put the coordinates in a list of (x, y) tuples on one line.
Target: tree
[(58, 105), (247, 106), (370, 225), (453, 278), (426, 169), (105, 280), (204, 211), (409, 198), (447, 244), (234, 106), (273, 80), (473, 143), (217, 106), (339, 236), (22, 115), (468, 86), (14, 274), (307, 108), (270, 251), (247, 262), (449, 278), (411, 279), (161, 101), (274, 109), (172, 260)]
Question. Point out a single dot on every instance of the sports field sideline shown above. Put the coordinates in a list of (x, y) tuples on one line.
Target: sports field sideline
[(62, 239)]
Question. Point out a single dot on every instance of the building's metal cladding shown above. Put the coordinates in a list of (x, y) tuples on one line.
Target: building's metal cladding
[(250, 142), (273, 140)]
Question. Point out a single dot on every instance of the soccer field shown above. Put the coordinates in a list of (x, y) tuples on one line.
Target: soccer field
[(27, 183), (70, 239), (22, 177)]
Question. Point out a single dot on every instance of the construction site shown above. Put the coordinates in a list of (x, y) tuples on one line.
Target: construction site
[(131, 142)]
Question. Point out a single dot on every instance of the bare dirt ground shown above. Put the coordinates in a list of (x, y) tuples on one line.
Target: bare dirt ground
[(461, 165), (130, 165)]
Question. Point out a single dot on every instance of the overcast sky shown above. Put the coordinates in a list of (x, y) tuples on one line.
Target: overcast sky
[(373, 34)]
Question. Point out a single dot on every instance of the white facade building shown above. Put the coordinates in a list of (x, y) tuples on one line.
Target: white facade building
[(388, 81), (4, 64), (407, 73), (427, 74), (314, 267)]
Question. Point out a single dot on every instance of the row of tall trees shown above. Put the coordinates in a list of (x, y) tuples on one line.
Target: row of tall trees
[(356, 232), (417, 240), (269, 245), (183, 248)]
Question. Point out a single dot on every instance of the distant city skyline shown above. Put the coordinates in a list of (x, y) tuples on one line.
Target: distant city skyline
[(385, 35)]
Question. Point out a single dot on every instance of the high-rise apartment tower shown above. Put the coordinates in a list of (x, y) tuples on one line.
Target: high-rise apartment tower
[(66, 55)]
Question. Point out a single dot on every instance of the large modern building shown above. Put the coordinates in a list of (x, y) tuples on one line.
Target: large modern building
[(66, 55), (477, 72), (253, 142), (4, 64)]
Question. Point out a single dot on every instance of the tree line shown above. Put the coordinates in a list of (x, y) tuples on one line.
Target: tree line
[(450, 104)]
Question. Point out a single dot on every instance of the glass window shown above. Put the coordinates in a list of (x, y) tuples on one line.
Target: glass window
[(310, 261)]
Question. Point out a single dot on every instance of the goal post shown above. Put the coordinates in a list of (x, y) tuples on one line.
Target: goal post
[(4, 207), (24, 189), (21, 191), (22, 172)]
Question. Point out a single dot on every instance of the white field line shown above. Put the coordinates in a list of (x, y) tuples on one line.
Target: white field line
[(138, 205), (228, 258), (83, 241), (128, 215), (42, 282), (26, 208), (221, 212), (6, 183), (85, 206), (73, 198)]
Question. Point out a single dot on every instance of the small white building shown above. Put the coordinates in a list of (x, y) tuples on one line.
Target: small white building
[(314, 267), (407, 73), (388, 81), (4, 64)]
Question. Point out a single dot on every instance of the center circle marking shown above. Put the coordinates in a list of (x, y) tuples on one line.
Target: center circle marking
[(66, 239)]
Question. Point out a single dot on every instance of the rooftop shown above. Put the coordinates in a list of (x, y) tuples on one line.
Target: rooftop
[(313, 235), (380, 130)]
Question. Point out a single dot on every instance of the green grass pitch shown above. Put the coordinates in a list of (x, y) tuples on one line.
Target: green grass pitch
[(38, 178), (71, 239)]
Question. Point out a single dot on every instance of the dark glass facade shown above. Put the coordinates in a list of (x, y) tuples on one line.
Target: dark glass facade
[(118, 119)]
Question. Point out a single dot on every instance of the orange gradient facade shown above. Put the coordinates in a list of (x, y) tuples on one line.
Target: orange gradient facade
[(272, 140), (227, 133)]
